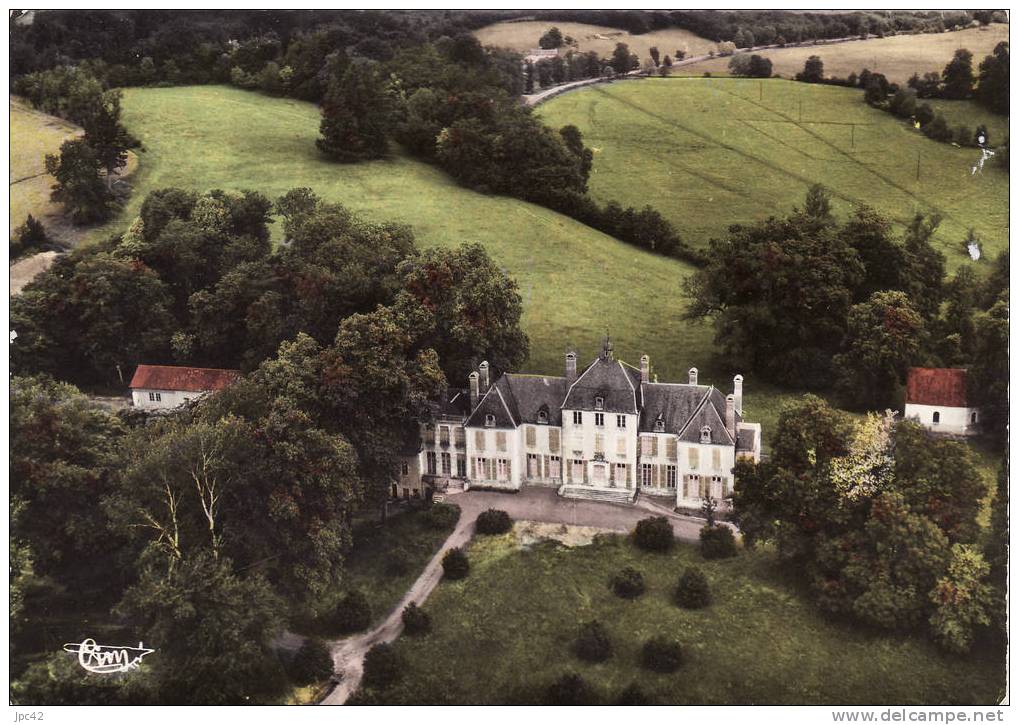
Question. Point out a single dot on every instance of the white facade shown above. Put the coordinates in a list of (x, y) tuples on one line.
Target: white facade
[(161, 399), (944, 419), (494, 457)]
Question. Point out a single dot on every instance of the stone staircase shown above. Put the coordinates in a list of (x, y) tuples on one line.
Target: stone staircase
[(606, 495)]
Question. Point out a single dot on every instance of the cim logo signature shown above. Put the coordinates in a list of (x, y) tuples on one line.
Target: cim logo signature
[(105, 659)]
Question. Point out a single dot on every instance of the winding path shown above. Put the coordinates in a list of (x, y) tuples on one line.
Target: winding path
[(531, 504)]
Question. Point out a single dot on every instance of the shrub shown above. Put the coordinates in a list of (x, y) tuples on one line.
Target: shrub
[(693, 592), (654, 534), (593, 644), (570, 689), (628, 583), (415, 620), (353, 613), (633, 695), (661, 654), (455, 564), (924, 114), (442, 516), (311, 663), (382, 666), (493, 521), (717, 542), (938, 129), (30, 234)]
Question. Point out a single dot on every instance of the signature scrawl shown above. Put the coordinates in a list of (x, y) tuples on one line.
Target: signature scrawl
[(105, 659)]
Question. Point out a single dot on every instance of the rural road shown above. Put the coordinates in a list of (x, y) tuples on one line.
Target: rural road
[(531, 504), (535, 98)]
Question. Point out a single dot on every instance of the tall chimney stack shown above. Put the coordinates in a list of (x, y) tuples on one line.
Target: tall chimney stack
[(472, 382), (730, 415), (737, 393), (645, 368), (485, 382), (571, 368), (693, 376)]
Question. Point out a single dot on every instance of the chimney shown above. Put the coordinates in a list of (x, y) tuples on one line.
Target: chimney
[(693, 376), (571, 368), (737, 393), (472, 382), (730, 415), (485, 382), (645, 368)]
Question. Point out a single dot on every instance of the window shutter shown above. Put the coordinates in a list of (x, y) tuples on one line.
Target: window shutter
[(479, 440), (654, 445), (670, 448), (530, 435), (553, 440), (716, 459)]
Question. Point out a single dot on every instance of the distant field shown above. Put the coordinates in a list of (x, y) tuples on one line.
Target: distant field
[(898, 56), (524, 35), (712, 152), (576, 283), (33, 135), (508, 629)]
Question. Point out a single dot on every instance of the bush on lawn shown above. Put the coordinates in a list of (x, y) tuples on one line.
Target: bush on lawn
[(633, 695), (382, 667), (628, 583), (717, 542), (440, 516), (493, 521), (455, 564), (661, 654), (415, 620), (311, 663), (593, 644), (570, 689), (353, 613), (693, 591), (654, 534)]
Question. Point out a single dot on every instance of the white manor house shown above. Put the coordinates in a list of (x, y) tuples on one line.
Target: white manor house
[(608, 433)]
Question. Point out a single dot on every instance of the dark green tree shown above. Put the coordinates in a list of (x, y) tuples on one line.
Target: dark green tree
[(992, 87), (79, 185), (356, 115), (958, 75), (105, 134)]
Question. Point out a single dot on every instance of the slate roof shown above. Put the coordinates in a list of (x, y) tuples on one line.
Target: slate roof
[(608, 379), (456, 403), (710, 414), (530, 394), (674, 402), (493, 403), (936, 386), (190, 380)]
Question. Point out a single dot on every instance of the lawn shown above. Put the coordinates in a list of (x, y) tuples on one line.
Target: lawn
[(33, 135), (523, 36), (406, 535), (710, 152), (576, 283), (505, 632), (898, 56)]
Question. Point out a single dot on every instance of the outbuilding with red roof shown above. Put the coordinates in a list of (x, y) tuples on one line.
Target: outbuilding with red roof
[(162, 387), (937, 399)]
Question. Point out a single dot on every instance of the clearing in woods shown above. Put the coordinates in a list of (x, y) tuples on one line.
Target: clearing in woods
[(710, 152), (524, 35), (898, 56)]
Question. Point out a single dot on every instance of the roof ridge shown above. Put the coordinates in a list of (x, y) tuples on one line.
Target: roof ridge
[(694, 414), (504, 405)]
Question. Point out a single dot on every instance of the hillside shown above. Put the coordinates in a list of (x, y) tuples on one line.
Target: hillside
[(33, 135), (711, 152), (524, 35), (898, 56)]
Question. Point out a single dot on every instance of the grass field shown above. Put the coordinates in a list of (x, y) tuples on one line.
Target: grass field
[(710, 152), (898, 56), (508, 629), (576, 283), (524, 35), (33, 135)]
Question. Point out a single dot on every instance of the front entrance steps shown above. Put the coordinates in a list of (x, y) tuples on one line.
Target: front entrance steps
[(593, 493)]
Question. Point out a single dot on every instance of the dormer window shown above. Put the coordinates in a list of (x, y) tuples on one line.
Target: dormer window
[(542, 416), (659, 425), (706, 434), (489, 421), (599, 403)]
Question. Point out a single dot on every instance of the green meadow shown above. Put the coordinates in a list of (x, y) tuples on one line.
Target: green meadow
[(710, 152), (576, 283), (507, 630)]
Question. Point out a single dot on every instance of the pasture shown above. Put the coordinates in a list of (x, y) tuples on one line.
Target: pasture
[(710, 152), (897, 56), (33, 135), (506, 632), (523, 36)]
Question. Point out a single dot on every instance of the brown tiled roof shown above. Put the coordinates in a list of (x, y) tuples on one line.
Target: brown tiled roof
[(936, 386), (172, 377)]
